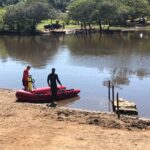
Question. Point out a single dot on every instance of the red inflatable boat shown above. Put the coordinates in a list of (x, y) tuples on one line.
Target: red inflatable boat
[(43, 95)]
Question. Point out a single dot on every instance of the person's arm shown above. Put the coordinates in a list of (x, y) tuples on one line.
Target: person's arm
[(58, 80), (48, 80)]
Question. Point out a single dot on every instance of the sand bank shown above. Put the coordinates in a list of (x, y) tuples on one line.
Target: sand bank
[(25, 126)]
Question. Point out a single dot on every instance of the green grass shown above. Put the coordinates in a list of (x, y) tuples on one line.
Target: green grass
[(72, 25), (40, 26), (2, 12)]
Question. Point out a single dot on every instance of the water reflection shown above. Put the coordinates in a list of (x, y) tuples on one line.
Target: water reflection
[(69, 101), (121, 49), (33, 50), (123, 54), (85, 62), (118, 78), (109, 44)]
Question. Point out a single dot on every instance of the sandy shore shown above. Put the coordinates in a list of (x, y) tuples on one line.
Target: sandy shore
[(25, 126)]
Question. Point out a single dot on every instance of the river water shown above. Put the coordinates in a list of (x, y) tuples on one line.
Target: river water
[(84, 62)]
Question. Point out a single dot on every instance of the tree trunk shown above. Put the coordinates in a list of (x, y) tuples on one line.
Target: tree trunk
[(90, 29), (85, 28), (81, 26), (33, 28), (108, 26), (100, 26), (18, 28)]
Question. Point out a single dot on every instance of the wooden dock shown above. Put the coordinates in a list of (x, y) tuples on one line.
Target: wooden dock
[(125, 107), (58, 32)]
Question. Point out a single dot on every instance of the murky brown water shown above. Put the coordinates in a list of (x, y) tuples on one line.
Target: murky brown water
[(85, 62)]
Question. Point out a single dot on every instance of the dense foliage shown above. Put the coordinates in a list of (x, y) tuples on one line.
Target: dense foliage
[(107, 11), (24, 15), (57, 4), (8, 2), (60, 4), (2, 12)]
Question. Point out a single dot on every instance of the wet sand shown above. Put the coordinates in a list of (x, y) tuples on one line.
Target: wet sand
[(26, 126)]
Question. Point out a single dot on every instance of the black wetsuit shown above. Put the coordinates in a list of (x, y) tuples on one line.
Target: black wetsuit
[(52, 80)]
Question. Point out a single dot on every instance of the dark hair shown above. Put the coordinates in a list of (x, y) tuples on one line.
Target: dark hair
[(28, 67), (53, 69)]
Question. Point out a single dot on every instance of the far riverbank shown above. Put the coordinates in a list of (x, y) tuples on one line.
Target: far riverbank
[(79, 31)]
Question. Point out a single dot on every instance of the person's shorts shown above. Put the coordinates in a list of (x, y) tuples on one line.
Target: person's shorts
[(25, 83)]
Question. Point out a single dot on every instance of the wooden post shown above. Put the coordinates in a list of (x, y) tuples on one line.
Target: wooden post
[(118, 105), (109, 90), (113, 99)]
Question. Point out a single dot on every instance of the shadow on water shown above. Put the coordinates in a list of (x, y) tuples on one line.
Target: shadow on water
[(66, 102)]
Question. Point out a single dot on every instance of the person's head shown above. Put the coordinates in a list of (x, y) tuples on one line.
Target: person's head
[(53, 70), (28, 67)]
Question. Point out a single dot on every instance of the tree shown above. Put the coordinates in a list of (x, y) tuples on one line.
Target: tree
[(111, 12), (2, 12), (35, 13), (108, 12), (60, 4), (138, 8), (122, 14), (82, 11), (23, 17), (8, 2)]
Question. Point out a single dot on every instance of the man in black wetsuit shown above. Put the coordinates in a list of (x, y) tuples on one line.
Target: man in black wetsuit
[(52, 80)]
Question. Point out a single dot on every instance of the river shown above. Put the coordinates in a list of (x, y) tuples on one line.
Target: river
[(84, 62)]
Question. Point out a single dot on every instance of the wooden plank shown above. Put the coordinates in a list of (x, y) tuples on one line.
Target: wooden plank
[(126, 107)]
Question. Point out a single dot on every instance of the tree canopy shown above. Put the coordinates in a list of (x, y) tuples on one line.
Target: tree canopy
[(60, 4), (8, 2), (24, 17), (108, 11)]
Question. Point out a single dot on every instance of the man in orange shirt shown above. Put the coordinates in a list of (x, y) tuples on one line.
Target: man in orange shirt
[(25, 77)]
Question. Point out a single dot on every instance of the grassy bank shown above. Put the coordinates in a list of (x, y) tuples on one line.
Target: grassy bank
[(73, 26)]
